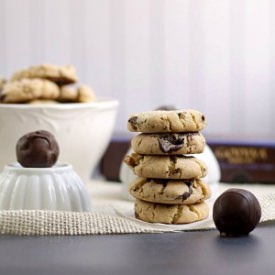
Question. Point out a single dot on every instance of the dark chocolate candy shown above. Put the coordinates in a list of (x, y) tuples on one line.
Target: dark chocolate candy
[(236, 212), (37, 149)]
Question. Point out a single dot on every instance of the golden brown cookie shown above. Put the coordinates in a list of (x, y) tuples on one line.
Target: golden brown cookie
[(170, 191), (2, 83), (170, 213), (85, 94), (81, 94), (160, 121), (68, 94), (166, 167), (29, 89), (168, 143), (43, 101), (58, 74)]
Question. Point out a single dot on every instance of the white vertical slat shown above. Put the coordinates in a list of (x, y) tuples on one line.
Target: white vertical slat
[(117, 60), (158, 94), (257, 66), (98, 46), (37, 30), (271, 96), (2, 39), (197, 54), (237, 67), (17, 35), (216, 67), (176, 28), (137, 57), (57, 32), (77, 42)]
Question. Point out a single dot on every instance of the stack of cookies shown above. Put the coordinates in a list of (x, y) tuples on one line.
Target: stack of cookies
[(46, 83), (169, 188)]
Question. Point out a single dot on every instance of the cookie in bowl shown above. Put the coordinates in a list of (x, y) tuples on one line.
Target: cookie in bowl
[(52, 98), (59, 74)]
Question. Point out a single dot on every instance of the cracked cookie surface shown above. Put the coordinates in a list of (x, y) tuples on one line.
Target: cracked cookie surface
[(170, 191), (168, 143), (58, 74), (166, 167), (160, 121), (26, 90), (170, 214)]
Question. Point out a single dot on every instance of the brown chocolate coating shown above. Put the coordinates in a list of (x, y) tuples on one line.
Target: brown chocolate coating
[(37, 149), (236, 212)]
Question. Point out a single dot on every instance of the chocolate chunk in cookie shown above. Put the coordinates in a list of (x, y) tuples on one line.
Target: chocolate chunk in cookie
[(170, 143)]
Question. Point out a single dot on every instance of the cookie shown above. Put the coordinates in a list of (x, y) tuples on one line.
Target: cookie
[(58, 74), (168, 143), (166, 167), (68, 94), (160, 121), (29, 89), (170, 191), (170, 214), (2, 83), (85, 94), (81, 94), (43, 101)]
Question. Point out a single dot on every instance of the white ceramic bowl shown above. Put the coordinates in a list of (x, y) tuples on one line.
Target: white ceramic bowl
[(56, 188), (83, 130)]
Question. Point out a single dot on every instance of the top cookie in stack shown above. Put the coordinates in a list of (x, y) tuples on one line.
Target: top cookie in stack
[(169, 188), (161, 121)]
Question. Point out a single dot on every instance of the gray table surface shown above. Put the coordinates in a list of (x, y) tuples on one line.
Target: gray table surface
[(202, 252)]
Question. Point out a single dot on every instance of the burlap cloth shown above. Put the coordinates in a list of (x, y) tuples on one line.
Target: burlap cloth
[(112, 214)]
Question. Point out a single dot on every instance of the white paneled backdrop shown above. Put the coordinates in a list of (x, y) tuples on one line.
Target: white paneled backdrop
[(214, 55)]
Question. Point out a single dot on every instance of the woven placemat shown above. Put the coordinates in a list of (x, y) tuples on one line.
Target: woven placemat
[(113, 218), (39, 222)]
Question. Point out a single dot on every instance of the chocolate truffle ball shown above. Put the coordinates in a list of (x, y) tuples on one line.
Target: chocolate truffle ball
[(37, 149), (236, 212)]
